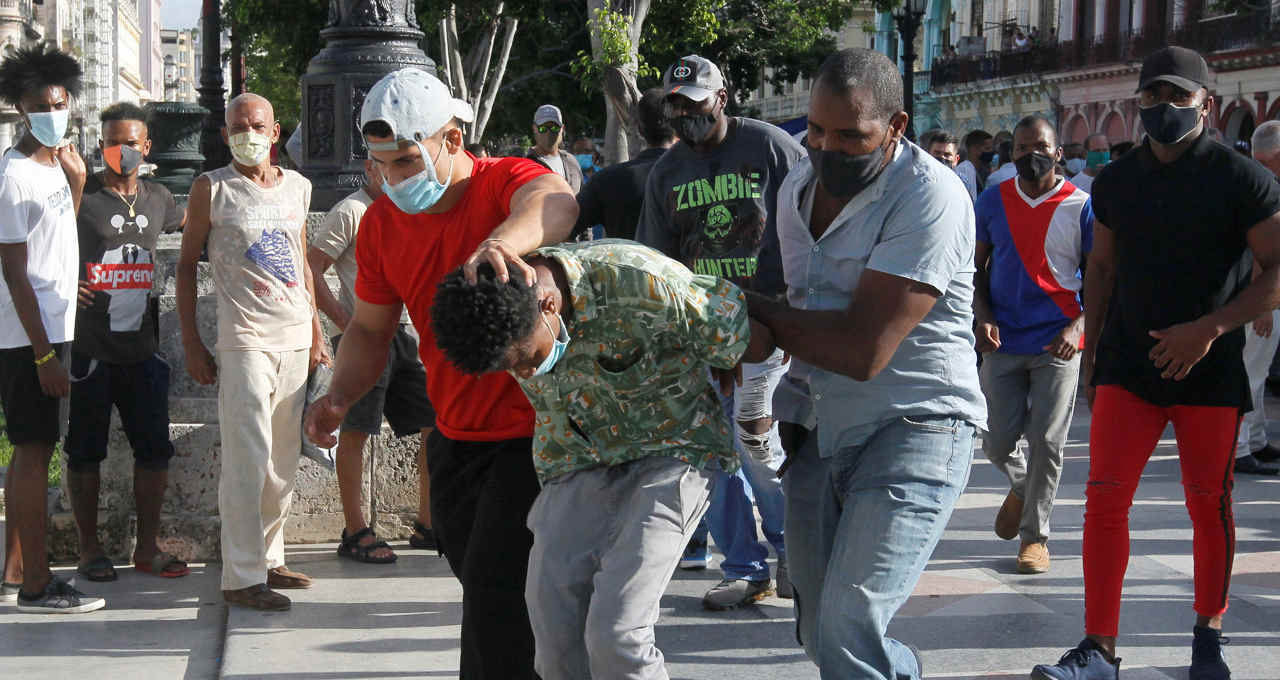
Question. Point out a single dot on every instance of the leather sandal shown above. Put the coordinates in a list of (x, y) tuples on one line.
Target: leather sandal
[(258, 597), (284, 578)]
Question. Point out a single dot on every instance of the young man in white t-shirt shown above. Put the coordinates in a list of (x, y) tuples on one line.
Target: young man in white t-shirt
[(41, 181)]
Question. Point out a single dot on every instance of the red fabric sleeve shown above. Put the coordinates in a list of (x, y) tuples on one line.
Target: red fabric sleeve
[(518, 172), (371, 282)]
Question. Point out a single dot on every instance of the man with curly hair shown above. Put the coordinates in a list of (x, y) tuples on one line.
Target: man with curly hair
[(41, 181), (612, 346)]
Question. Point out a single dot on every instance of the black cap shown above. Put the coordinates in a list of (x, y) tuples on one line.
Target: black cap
[(1177, 66), (693, 77)]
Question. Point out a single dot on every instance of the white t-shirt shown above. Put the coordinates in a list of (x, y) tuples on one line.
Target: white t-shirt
[(969, 176), (1083, 182), (554, 162), (336, 237), (36, 208)]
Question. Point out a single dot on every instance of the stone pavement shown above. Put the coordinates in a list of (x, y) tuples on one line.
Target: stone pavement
[(972, 616)]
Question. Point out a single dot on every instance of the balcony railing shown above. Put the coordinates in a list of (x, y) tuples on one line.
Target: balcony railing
[(1242, 31)]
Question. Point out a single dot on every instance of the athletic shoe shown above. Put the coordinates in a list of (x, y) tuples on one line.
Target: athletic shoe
[(9, 591), (783, 578), (732, 593), (1086, 662), (696, 556), (59, 597), (1207, 659), (1267, 454), (1249, 465)]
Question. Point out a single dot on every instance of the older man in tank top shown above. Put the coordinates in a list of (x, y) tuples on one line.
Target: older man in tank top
[(251, 215)]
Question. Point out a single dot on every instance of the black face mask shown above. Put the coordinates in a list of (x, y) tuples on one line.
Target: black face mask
[(1033, 166), (846, 175), (1169, 124), (694, 129), (986, 157)]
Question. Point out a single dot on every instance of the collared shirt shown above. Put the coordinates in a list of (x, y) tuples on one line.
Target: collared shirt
[(1180, 253), (633, 381), (912, 222)]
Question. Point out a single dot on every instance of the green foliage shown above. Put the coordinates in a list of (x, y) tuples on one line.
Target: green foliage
[(278, 38), (612, 29)]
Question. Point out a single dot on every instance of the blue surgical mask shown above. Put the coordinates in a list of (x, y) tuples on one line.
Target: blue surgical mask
[(559, 344), (417, 194), (48, 128), (586, 161), (1076, 165)]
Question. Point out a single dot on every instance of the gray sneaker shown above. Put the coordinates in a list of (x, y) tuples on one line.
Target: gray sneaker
[(783, 578), (59, 597), (732, 593), (9, 591)]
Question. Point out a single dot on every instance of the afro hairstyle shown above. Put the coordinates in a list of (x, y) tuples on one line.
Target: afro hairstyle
[(476, 325), (31, 69)]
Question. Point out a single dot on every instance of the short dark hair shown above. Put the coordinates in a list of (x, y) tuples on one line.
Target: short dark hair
[(476, 325), (1121, 148), (976, 138), (474, 148), (1037, 119), (125, 111), (858, 68), (652, 118), (942, 137), (30, 69)]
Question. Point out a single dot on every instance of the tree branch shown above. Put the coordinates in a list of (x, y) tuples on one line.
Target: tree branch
[(486, 104)]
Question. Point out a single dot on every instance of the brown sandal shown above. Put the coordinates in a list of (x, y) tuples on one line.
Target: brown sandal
[(284, 578)]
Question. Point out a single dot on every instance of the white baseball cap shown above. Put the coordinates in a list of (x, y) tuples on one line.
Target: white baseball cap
[(414, 104), (548, 113)]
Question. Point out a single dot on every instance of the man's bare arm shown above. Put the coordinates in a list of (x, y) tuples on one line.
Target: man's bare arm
[(542, 213), (325, 300), (859, 341), (194, 237), (362, 356)]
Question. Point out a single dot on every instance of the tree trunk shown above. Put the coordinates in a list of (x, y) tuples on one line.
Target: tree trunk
[(495, 82), (471, 78), (620, 91)]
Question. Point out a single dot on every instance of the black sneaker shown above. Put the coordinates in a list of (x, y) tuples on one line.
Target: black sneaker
[(59, 597), (1267, 454), (696, 556), (1086, 662), (1249, 465), (1207, 659)]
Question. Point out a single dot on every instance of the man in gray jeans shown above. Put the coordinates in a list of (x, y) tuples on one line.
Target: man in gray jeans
[(1034, 232), (611, 345)]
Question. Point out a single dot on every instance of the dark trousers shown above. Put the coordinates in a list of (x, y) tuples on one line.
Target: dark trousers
[(481, 493)]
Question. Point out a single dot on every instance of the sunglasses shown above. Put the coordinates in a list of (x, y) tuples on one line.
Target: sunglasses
[(546, 128)]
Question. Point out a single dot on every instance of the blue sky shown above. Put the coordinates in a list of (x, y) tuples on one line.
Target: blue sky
[(180, 13)]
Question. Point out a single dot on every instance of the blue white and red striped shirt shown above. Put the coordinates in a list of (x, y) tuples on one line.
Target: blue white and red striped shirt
[(1037, 249)]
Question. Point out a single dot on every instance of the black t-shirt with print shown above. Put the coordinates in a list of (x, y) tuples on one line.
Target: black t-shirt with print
[(1181, 253), (117, 253), (714, 211)]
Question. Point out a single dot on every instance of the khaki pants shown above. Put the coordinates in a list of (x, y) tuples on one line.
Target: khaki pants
[(260, 400)]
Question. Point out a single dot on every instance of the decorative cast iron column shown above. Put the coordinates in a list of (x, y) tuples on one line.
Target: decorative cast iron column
[(365, 40), (216, 153), (175, 143)]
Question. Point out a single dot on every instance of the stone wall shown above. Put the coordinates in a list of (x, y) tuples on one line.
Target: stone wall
[(189, 524)]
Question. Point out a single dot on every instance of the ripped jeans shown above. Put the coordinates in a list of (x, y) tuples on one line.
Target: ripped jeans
[(731, 517)]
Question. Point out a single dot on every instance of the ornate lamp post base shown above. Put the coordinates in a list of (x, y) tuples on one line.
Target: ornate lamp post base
[(365, 40)]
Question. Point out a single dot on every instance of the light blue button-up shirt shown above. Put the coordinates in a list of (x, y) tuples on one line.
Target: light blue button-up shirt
[(915, 221)]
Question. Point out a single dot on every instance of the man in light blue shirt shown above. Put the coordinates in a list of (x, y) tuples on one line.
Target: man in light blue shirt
[(882, 401)]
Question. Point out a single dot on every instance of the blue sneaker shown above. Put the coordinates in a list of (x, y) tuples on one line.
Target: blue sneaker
[(1085, 662), (1207, 659), (696, 556)]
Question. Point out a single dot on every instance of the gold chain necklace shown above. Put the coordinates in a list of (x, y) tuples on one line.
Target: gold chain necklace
[(132, 212)]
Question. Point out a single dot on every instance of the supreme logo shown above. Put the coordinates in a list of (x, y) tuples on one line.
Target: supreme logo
[(118, 276)]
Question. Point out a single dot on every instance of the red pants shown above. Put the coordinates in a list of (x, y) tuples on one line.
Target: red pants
[(1125, 430)]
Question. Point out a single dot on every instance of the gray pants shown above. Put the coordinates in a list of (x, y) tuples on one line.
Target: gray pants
[(1035, 395), (606, 542)]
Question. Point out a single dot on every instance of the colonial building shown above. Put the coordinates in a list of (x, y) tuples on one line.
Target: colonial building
[(180, 73)]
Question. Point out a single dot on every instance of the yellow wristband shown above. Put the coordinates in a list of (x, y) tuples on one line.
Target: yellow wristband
[(45, 359)]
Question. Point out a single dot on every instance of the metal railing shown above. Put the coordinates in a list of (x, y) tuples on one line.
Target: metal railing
[(1240, 31)]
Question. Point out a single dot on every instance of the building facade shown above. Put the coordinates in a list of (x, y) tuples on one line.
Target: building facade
[(180, 73)]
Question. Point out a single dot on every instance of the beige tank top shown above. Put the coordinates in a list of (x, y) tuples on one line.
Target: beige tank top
[(256, 250)]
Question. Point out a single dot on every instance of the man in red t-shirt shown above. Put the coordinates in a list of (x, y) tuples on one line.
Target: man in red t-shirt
[(443, 208)]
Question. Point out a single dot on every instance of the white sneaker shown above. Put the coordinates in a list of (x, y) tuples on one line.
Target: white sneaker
[(9, 591)]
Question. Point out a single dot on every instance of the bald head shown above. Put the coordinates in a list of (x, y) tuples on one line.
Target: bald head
[(248, 103), (1266, 145)]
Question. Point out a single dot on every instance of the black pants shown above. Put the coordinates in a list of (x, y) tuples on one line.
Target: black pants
[(481, 493)]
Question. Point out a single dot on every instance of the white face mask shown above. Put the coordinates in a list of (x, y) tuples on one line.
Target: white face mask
[(250, 148)]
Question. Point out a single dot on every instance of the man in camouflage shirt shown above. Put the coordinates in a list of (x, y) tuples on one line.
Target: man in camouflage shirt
[(612, 347)]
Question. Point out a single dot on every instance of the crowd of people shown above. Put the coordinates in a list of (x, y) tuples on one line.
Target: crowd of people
[(733, 322)]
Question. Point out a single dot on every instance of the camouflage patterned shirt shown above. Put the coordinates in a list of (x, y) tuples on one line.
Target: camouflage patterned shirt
[(633, 381)]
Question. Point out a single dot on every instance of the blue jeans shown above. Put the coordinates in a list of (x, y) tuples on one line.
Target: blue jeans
[(861, 525), (731, 518)]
